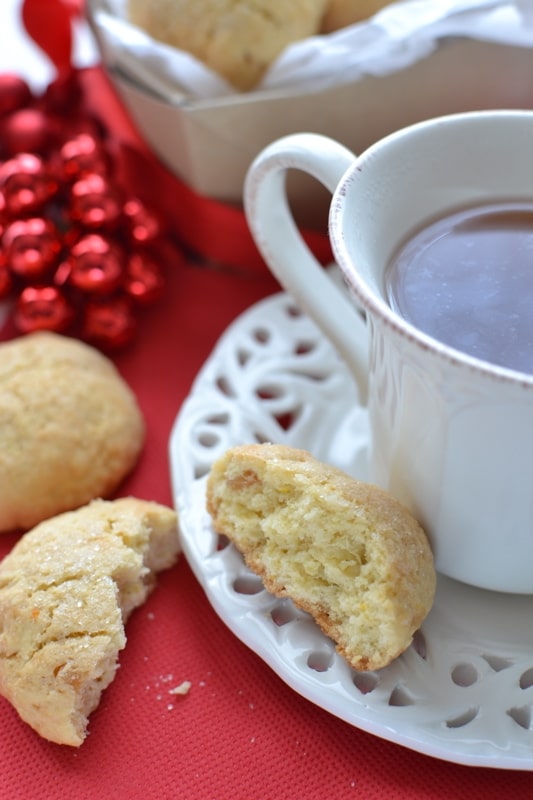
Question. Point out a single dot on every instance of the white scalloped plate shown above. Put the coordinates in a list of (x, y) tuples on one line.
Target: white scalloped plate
[(463, 691)]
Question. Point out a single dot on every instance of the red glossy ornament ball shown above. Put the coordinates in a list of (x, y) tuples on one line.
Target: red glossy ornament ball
[(32, 247), (27, 131), (42, 308), (83, 154), (64, 94), (94, 203), (26, 184), (6, 279), (84, 122), (3, 214), (62, 273), (97, 264), (144, 226), (14, 93), (110, 324), (144, 279)]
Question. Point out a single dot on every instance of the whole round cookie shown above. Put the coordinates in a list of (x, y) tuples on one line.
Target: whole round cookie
[(238, 39), (70, 428)]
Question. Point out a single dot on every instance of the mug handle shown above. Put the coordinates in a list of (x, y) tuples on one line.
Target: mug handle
[(284, 250)]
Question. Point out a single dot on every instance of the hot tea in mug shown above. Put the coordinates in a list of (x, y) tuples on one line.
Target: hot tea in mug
[(467, 280)]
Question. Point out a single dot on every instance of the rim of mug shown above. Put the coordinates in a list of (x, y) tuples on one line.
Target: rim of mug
[(375, 304)]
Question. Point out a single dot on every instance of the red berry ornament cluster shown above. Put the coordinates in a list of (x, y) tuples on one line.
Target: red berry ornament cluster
[(78, 255)]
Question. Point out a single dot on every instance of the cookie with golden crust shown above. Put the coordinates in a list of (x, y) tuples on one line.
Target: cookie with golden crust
[(70, 428), (238, 39), (343, 550), (341, 13), (66, 591)]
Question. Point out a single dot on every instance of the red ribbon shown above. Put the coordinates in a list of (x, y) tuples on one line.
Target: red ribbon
[(213, 231), (49, 23)]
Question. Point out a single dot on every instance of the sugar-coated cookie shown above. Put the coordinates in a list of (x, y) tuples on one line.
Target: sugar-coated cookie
[(345, 551), (70, 427), (238, 39), (66, 590)]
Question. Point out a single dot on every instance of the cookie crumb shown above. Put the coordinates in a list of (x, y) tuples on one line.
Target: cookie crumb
[(183, 688)]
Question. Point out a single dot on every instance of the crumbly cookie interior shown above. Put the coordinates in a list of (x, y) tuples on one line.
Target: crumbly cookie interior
[(342, 550)]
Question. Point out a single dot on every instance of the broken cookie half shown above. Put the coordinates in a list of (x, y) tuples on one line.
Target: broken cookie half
[(343, 550), (66, 591)]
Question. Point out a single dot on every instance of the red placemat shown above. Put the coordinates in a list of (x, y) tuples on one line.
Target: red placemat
[(240, 733)]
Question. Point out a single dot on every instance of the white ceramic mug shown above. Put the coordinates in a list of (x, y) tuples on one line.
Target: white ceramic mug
[(452, 436)]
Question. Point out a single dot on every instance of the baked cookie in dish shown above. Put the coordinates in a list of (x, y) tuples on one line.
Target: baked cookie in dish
[(341, 13), (238, 39)]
